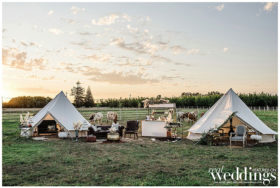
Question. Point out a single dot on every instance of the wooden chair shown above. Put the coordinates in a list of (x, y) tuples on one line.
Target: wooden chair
[(240, 135), (132, 128)]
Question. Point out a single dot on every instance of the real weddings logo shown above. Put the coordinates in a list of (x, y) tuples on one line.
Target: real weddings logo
[(244, 175)]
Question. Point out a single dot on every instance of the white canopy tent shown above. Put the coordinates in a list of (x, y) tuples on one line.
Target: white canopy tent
[(218, 114), (63, 112)]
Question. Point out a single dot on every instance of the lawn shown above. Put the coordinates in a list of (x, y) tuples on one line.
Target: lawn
[(139, 162)]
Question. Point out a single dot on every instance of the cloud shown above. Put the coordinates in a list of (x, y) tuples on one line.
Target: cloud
[(161, 58), (85, 33), (71, 32), (38, 90), (78, 43), (55, 31), (135, 63), (13, 58), (23, 43), (157, 58), (102, 57), (114, 77), (26, 44), (193, 51), (225, 50), (87, 26), (182, 64), (269, 6), (144, 19), (68, 20), (111, 19), (48, 78), (84, 44), (107, 20), (126, 17), (41, 78), (131, 29), (5, 55), (50, 12), (135, 47), (177, 49), (151, 49), (143, 47), (116, 41), (120, 78), (75, 10), (69, 67), (220, 7), (32, 44)]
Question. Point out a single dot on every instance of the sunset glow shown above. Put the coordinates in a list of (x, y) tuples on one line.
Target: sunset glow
[(138, 49)]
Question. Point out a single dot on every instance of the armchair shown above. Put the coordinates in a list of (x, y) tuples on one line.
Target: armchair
[(132, 128), (240, 135)]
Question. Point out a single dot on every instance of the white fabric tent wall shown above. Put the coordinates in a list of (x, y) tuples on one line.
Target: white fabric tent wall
[(62, 111), (220, 112)]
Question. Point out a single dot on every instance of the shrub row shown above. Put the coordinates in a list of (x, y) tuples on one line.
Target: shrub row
[(261, 99)]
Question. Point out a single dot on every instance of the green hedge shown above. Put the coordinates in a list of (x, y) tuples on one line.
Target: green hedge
[(199, 100)]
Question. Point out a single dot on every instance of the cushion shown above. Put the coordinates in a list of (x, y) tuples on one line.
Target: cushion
[(237, 138)]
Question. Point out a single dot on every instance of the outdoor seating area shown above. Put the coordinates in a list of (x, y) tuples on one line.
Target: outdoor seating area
[(228, 122), (225, 140), (102, 131)]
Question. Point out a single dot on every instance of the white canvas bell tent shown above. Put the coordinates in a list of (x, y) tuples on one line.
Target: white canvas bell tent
[(64, 113), (218, 115)]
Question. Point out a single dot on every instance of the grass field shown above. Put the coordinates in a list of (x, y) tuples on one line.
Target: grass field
[(139, 162)]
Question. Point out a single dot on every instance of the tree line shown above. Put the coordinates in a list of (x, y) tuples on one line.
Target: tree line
[(187, 99), (27, 102), (195, 100)]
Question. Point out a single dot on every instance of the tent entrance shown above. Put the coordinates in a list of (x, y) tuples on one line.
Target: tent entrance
[(47, 127), (225, 129)]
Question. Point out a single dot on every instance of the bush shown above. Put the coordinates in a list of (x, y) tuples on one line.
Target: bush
[(206, 139)]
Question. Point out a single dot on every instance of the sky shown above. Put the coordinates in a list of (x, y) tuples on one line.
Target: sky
[(138, 49)]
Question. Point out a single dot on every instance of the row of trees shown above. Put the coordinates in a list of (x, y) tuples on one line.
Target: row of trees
[(261, 99), (195, 99), (27, 102), (85, 99)]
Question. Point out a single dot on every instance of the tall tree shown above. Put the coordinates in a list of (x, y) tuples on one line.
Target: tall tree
[(79, 94), (89, 102), (158, 97)]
